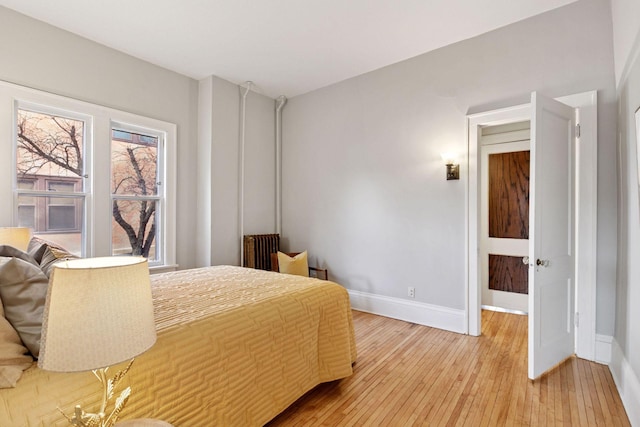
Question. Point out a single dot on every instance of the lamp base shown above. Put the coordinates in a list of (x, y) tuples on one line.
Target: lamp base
[(102, 419)]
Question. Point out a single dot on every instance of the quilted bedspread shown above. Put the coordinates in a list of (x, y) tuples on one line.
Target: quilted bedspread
[(235, 347)]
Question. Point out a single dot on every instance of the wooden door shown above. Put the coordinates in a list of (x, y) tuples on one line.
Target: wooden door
[(505, 219)]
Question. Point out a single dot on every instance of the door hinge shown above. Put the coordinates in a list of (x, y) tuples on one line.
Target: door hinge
[(576, 319), (578, 130)]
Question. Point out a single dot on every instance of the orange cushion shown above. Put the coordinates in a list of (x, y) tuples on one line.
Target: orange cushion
[(297, 265)]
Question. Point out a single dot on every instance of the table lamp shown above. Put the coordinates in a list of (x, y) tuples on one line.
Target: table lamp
[(98, 313), (18, 237)]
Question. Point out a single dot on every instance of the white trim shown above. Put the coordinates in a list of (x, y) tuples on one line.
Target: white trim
[(163, 268), (506, 137), (503, 310), (627, 383), (410, 311), (603, 349), (204, 172)]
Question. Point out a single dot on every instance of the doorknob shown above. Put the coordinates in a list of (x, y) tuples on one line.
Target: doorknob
[(525, 260), (542, 262)]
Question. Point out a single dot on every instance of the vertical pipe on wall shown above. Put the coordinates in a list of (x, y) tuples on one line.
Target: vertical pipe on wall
[(244, 90), (279, 105)]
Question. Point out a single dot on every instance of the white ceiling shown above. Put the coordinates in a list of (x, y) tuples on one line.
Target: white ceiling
[(286, 47)]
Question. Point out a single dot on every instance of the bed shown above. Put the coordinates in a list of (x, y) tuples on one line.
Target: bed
[(235, 347)]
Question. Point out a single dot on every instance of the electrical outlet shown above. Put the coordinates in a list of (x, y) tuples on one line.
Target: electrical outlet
[(412, 292)]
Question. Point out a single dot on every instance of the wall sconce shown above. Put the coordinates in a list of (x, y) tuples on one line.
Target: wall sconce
[(453, 168)]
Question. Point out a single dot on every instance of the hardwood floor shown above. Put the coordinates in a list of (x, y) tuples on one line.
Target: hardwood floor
[(408, 374)]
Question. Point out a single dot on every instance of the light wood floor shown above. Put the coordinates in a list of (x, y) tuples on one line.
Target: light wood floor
[(408, 374)]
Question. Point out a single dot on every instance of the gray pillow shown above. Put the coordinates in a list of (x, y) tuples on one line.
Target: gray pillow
[(10, 251), (14, 357), (38, 246), (23, 290)]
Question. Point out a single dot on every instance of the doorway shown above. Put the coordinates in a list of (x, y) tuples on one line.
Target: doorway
[(586, 208), (504, 217)]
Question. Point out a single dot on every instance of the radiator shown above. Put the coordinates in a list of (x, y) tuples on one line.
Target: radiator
[(258, 249)]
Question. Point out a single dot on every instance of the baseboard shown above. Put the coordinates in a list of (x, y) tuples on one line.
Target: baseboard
[(603, 349), (627, 383), (410, 311)]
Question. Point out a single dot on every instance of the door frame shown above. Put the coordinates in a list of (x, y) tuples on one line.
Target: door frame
[(585, 220)]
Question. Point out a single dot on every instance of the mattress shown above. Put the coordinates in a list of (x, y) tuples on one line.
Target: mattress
[(235, 347)]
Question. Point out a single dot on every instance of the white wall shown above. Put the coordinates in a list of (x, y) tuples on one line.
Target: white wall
[(38, 55), (41, 56), (260, 170), (364, 187), (218, 179), (626, 25), (626, 349), (204, 171)]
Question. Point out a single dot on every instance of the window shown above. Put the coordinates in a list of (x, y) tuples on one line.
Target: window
[(93, 179), (49, 214), (50, 147), (63, 212), (135, 191), (26, 204)]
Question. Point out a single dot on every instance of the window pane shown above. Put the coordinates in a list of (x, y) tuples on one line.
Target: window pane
[(57, 223), (26, 184), (62, 217), (134, 159), (49, 158), (43, 214), (62, 186), (27, 216), (62, 213), (122, 135), (49, 145), (134, 228)]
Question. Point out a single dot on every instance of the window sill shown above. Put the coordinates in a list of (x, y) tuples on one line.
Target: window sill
[(163, 268)]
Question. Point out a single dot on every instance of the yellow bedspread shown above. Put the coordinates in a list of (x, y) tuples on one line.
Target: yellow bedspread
[(235, 347)]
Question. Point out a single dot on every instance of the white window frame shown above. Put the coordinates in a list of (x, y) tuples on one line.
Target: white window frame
[(58, 110), (97, 188), (161, 196)]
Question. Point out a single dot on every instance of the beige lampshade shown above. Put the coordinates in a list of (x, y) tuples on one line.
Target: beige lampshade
[(18, 237), (98, 313)]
